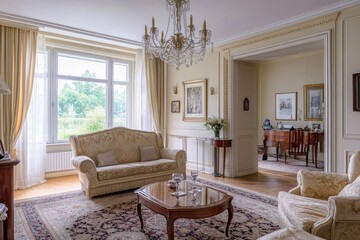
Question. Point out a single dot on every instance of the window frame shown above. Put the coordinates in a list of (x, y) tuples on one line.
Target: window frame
[(54, 77)]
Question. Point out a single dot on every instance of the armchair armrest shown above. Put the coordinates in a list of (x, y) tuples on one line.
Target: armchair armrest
[(320, 185), (342, 221), (86, 166)]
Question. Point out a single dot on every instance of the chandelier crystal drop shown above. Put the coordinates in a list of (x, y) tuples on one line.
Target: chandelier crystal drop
[(183, 47)]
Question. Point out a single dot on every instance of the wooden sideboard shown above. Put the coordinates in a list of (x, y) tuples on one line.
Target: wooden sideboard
[(7, 195), (279, 138)]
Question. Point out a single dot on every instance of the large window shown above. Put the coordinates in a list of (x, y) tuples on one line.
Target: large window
[(88, 93)]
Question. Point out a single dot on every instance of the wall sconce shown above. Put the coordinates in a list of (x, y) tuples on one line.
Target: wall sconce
[(212, 90), (175, 89)]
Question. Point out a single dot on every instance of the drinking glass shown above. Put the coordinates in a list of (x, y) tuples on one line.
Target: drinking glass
[(194, 174), (177, 178)]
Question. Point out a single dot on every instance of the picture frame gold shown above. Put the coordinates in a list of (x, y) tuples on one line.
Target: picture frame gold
[(195, 100), (313, 102)]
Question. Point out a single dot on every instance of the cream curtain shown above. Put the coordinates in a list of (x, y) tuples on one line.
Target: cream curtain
[(17, 64), (31, 144), (142, 116), (155, 88)]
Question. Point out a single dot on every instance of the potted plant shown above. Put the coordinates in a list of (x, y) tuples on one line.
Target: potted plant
[(215, 124)]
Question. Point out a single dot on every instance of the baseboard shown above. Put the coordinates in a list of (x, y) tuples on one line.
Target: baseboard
[(60, 173)]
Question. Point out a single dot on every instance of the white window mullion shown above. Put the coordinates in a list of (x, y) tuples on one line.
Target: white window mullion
[(110, 95)]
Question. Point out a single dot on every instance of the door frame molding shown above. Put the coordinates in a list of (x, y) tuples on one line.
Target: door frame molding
[(329, 87)]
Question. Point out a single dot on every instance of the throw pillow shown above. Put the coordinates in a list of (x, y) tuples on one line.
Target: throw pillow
[(106, 159), (354, 167), (352, 189), (148, 153)]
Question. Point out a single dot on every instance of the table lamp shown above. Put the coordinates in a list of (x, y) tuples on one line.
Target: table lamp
[(4, 89)]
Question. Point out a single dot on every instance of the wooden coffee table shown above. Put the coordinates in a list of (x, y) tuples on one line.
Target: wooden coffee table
[(157, 197)]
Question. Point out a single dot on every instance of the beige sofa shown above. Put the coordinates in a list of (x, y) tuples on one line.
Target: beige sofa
[(120, 158), (326, 205)]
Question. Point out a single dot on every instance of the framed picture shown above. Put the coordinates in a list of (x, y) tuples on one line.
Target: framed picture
[(356, 92), (195, 100), (2, 150), (313, 102), (285, 106), (175, 106)]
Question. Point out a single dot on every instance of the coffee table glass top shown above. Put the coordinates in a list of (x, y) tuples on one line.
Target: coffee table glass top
[(160, 192)]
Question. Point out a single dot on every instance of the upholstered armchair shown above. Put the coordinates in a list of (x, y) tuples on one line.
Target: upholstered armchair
[(324, 204)]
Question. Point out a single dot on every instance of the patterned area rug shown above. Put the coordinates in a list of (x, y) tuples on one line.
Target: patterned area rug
[(73, 216), (292, 165)]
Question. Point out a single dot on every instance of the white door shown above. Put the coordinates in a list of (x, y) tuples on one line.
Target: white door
[(244, 122)]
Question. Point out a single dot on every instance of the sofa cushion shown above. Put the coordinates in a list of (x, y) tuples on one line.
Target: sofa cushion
[(148, 153), (106, 159), (131, 169), (302, 212), (352, 189), (321, 185)]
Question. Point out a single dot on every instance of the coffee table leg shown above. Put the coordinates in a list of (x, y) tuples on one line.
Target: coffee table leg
[(230, 216), (140, 216), (170, 228)]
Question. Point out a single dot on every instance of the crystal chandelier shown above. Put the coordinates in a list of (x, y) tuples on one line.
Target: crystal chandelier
[(183, 47)]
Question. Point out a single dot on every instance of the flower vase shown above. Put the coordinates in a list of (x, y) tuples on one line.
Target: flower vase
[(217, 134)]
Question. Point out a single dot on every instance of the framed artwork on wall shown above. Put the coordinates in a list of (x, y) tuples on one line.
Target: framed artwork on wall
[(175, 106), (195, 100), (285, 106), (313, 102), (356, 92)]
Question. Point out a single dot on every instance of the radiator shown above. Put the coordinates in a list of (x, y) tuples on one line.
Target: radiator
[(59, 161)]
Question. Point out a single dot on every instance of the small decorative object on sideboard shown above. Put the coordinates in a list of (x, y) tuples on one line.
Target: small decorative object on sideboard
[(280, 125), (316, 127), (3, 154), (267, 124), (215, 124)]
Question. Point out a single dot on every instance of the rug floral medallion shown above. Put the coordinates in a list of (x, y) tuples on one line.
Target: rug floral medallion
[(74, 216)]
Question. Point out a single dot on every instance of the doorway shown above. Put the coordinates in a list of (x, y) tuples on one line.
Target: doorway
[(318, 44)]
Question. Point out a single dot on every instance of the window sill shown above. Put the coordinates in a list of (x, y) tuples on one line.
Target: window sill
[(58, 147)]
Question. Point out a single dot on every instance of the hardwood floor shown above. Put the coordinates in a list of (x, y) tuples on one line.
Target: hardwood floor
[(265, 181)]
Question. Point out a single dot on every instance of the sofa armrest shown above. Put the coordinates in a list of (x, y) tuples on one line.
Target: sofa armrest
[(343, 218), (175, 154), (320, 185), (86, 166)]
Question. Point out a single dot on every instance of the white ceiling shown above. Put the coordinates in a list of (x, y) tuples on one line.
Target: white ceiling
[(125, 19)]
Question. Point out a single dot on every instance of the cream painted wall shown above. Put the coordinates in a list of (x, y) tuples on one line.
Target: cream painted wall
[(345, 61), (288, 74), (208, 69)]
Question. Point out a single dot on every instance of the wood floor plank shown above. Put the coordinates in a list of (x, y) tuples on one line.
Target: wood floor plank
[(265, 181)]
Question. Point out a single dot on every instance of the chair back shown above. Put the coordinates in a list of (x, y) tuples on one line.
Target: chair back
[(298, 143)]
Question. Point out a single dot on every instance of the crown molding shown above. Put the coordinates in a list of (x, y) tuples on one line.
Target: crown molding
[(285, 31), (289, 22), (54, 27)]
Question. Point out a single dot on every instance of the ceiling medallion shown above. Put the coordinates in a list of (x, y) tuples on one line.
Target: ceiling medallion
[(183, 47)]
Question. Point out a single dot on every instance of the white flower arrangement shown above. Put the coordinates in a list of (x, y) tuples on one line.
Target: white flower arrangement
[(215, 123)]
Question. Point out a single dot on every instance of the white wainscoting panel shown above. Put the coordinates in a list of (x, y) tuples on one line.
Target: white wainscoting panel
[(199, 151)]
